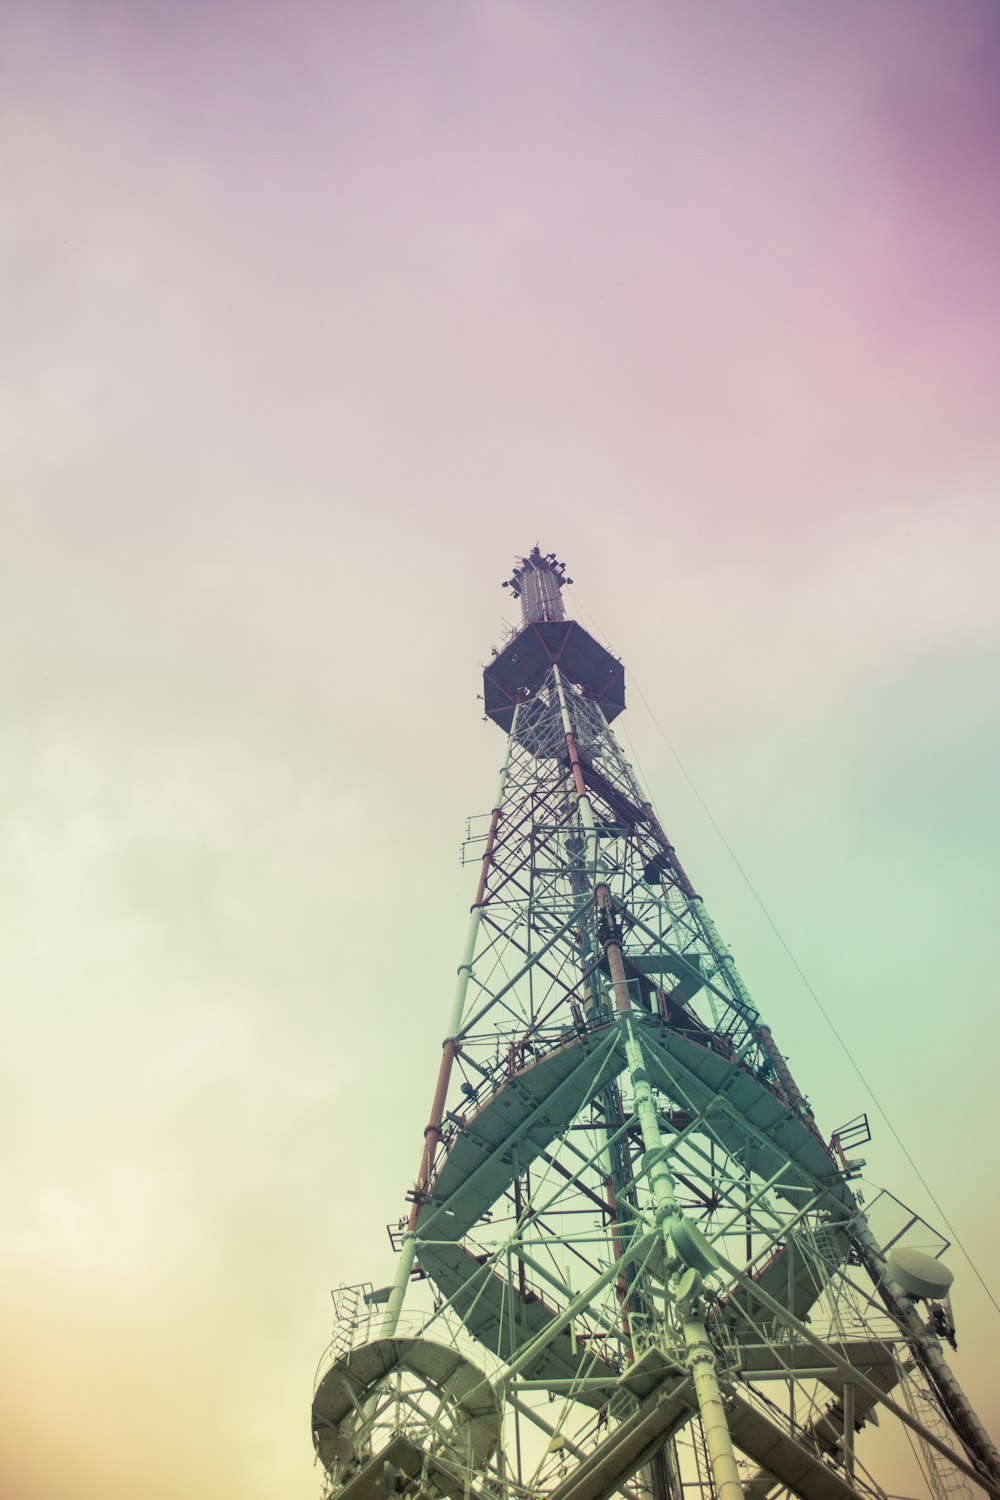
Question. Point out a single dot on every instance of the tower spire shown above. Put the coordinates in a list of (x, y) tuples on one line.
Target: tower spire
[(537, 582), (626, 1223)]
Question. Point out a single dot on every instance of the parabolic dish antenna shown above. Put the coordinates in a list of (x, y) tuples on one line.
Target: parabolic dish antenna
[(918, 1274)]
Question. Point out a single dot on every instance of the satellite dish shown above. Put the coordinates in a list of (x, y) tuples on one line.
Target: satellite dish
[(918, 1274), (342, 1449), (688, 1285), (691, 1246)]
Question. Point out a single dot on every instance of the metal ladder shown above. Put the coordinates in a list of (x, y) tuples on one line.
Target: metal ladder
[(946, 1482), (350, 1304)]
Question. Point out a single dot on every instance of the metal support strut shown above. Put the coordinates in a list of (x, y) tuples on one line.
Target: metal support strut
[(700, 1355)]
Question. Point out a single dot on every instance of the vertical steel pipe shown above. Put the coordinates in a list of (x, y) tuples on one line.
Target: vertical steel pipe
[(701, 1356)]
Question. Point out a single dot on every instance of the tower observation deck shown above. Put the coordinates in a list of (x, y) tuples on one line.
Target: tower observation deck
[(632, 1262)]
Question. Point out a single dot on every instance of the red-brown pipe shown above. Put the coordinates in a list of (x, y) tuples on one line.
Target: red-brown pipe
[(612, 948), (671, 853), (574, 760), (432, 1130)]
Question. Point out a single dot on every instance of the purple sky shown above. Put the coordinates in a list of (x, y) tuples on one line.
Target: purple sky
[(315, 315)]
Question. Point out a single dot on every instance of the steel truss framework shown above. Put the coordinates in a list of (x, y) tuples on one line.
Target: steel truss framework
[(644, 1269)]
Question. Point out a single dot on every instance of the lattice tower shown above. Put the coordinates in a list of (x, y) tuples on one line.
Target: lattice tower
[(632, 1262)]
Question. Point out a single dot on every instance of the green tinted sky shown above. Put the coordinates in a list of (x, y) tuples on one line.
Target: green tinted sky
[(316, 316)]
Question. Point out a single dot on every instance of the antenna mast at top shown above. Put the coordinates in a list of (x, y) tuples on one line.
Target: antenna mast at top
[(536, 582)]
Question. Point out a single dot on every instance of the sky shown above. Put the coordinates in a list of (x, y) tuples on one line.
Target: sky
[(314, 317)]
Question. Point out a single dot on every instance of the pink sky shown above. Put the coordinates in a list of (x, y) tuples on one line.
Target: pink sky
[(315, 315)]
